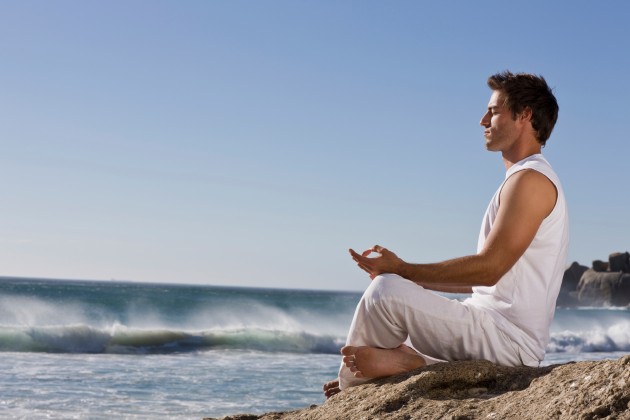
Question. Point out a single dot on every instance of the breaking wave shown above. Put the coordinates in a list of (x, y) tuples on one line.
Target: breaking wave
[(132, 319), (119, 339), (615, 337)]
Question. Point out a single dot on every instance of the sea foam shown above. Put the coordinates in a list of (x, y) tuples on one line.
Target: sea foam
[(615, 337)]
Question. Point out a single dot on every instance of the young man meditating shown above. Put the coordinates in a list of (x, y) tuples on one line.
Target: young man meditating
[(515, 277)]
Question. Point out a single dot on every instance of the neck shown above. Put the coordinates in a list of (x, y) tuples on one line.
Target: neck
[(510, 157)]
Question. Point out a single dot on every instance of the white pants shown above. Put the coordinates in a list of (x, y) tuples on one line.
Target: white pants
[(394, 310)]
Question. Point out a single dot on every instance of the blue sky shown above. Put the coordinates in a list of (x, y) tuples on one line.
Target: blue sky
[(251, 143)]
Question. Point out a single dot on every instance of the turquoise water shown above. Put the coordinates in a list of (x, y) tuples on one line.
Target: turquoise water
[(131, 350)]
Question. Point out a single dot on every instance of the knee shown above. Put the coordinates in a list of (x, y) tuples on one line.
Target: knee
[(386, 287)]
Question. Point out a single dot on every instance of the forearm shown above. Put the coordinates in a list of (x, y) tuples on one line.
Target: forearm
[(458, 275)]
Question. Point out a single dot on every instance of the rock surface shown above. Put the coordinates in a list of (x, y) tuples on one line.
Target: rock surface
[(482, 390)]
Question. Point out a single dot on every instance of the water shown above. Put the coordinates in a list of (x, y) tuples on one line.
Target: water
[(129, 350)]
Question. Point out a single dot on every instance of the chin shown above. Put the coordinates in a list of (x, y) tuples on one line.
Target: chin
[(491, 147)]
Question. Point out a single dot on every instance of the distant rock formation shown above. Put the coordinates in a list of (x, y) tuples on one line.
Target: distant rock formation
[(604, 284), (482, 390), (570, 281)]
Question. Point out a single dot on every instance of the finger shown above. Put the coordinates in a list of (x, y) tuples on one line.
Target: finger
[(354, 254), (378, 249), (357, 257)]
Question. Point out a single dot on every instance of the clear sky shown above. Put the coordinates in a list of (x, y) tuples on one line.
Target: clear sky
[(251, 143)]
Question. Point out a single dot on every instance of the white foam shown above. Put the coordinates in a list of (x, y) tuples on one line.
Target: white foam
[(615, 337)]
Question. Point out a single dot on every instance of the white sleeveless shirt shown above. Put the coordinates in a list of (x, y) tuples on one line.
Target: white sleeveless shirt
[(523, 302)]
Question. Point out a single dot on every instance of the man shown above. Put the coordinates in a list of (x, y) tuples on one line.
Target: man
[(515, 277)]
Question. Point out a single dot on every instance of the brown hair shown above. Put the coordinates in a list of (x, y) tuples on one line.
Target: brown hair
[(524, 90)]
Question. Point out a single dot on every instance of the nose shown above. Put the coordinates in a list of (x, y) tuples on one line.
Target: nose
[(485, 120)]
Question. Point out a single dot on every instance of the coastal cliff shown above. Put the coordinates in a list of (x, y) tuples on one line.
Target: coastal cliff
[(482, 390)]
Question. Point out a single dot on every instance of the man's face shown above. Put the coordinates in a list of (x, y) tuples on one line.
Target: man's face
[(501, 129)]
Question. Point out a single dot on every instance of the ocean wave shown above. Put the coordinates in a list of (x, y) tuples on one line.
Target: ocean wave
[(119, 339), (615, 337)]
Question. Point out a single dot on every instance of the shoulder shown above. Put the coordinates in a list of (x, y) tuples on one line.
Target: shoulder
[(530, 178), (531, 188)]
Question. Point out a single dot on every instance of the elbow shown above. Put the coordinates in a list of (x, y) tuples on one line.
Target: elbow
[(490, 280), (493, 273), (493, 268)]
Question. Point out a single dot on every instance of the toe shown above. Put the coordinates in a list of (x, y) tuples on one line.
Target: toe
[(332, 391), (331, 388), (330, 385), (348, 350)]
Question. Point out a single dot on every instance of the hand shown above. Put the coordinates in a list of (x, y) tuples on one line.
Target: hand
[(385, 262)]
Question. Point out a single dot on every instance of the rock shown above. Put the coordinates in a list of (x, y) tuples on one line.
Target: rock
[(605, 284), (482, 390), (619, 262), (600, 266), (570, 281), (604, 289)]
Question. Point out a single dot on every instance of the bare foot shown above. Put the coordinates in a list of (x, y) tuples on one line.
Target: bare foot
[(371, 362), (331, 388)]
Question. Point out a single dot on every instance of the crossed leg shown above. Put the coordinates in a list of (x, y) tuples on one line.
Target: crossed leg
[(392, 310), (370, 362)]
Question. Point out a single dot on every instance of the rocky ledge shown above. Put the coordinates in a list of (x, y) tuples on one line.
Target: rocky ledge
[(482, 390)]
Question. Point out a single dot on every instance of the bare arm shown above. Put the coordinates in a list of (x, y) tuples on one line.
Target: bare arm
[(526, 199)]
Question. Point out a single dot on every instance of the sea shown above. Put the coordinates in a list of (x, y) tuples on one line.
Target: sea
[(125, 350)]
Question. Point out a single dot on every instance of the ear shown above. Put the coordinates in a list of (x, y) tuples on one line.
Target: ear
[(525, 115)]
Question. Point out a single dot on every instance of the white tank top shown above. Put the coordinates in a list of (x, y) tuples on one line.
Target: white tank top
[(523, 302)]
